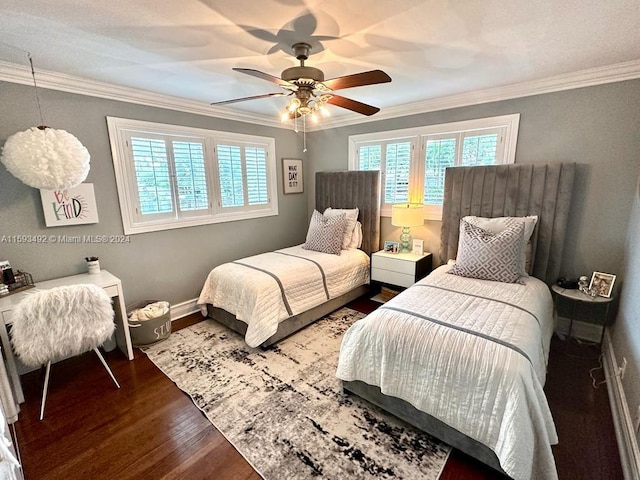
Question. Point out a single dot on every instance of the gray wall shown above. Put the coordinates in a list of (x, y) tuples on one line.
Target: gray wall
[(597, 127), (170, 265), (625, 335)]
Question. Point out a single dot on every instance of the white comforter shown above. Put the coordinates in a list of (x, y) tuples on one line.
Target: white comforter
[(443, 362), (255, 297)]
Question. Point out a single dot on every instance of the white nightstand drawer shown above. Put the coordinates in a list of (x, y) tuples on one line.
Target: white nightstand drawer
[(394, 265), (393, 278)]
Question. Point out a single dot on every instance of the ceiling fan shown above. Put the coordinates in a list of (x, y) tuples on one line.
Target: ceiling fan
[(310, 90)]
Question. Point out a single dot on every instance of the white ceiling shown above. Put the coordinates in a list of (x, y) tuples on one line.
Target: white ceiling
[(186, 49)]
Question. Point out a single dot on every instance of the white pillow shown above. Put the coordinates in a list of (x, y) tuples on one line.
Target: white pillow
[(497, 225), (356, 238), (352, 217)]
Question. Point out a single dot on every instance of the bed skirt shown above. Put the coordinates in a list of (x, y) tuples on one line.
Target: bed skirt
[(291, 324), (425, 422)]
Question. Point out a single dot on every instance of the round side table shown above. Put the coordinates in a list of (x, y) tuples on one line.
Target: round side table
[(575, 296)]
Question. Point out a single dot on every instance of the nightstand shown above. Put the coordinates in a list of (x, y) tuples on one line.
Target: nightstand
[(399, 269), (575, 296)]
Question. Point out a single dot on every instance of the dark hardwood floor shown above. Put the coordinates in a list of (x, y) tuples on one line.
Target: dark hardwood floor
[(149, 429)]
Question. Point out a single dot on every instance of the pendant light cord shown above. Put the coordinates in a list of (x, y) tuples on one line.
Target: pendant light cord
[(33, 75), (35, 87)]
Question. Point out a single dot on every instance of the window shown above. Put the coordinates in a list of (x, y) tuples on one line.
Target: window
[(171, 177), (413, 161)]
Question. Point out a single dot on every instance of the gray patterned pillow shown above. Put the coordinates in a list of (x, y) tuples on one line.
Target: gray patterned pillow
[(325, 233), (488, 256)]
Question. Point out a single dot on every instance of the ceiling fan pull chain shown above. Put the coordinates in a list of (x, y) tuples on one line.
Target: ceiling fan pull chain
[(304, 133)]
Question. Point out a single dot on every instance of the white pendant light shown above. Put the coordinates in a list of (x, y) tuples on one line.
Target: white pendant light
[(45, 158)]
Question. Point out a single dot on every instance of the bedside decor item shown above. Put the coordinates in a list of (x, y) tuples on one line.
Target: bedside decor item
[(292, 179), (418, 247), (602, 284), (391, 247), (43, 157), (407, 216)]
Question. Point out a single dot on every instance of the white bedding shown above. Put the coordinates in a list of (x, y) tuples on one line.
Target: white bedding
[(483, 388), (255, 297)]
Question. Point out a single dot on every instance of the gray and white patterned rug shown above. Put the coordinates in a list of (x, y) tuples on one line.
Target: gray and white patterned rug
[(283, 409)]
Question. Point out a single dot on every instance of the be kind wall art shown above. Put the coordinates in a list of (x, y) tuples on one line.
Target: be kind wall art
[(74, 206)]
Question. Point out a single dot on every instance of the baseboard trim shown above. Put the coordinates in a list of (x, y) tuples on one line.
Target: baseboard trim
[(183, 309), (622, 419)]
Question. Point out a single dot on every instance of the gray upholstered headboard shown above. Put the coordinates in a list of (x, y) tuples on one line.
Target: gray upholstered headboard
[(352, 189), (512, 190)]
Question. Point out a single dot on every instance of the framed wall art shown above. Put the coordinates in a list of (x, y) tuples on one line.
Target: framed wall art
[(292, 178)]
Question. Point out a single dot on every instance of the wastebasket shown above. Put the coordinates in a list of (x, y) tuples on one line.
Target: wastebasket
[(145, 327)]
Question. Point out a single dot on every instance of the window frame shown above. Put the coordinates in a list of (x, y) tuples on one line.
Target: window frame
[(420, 136), (120, 129)]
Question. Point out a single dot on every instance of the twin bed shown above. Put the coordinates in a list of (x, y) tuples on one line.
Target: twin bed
[(269, 296), (461, 358)]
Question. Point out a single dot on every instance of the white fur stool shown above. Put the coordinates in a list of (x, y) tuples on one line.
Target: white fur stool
[(62, 322)]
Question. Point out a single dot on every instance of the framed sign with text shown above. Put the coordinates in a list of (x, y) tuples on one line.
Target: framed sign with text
[(74, 206), (292, 175)]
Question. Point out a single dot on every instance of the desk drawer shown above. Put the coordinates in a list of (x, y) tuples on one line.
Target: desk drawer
[(111, 290)]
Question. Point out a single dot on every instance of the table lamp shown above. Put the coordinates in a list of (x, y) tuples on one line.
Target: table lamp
[(407, 216)]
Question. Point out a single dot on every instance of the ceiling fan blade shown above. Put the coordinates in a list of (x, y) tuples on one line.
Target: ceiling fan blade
[(357, 80), (353, 105), (264, 76), (255, 97)]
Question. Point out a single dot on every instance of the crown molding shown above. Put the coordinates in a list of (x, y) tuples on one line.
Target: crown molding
[(619, 72), (13, 73), (583, 78)]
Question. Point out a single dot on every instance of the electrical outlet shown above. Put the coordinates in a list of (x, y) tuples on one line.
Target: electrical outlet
[(622, 368)]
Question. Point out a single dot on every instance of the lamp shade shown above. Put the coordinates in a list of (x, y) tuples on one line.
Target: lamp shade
[(46, 158), (407, 215)]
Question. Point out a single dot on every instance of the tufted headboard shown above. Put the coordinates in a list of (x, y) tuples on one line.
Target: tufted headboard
[(350, 189), (512, 190)]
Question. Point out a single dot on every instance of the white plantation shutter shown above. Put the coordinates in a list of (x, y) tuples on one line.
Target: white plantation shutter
[(393, 158), (256, 165), (170, 176), (411, 177), (242, 175), (440, 154), (191, 176), (484, 148), (230, 175), (151, 165), (370, 157), (469, 149), (396, 172)]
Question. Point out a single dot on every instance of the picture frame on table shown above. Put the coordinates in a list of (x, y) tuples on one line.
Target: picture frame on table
[(418, 247), (602, 284), (391, 247), (292, 176)]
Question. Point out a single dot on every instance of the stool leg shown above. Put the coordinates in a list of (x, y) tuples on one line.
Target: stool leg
[(106, 366), (44, 389)]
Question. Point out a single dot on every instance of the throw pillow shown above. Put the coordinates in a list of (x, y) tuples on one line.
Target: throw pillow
[(351, 216), (488, 256), (325, 233), (499, 224)]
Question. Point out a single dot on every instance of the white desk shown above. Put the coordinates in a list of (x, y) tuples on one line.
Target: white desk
[(110, 283)]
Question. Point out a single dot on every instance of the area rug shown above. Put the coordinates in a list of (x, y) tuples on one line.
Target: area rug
[(284, 410)]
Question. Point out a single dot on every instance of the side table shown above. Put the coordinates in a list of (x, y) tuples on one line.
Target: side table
[(575, 296)]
